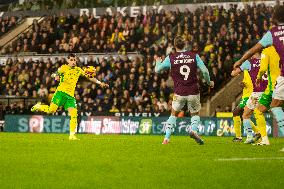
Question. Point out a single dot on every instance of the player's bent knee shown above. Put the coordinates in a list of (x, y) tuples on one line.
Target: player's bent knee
[(73, 113), (246, 116), (52, 108), (247, 113), (261, 108), (51, 111)]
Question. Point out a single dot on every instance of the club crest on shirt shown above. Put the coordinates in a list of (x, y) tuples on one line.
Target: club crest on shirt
[(182, 56)]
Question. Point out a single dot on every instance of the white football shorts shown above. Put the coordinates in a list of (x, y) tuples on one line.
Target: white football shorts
[(252, 102), (278, 92), (193, 103)]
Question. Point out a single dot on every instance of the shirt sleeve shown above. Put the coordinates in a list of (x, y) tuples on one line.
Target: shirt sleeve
[(266, 40), (82, 73), (203, 69), (245, 78), (246, 66), (61, 70), (263, 65), (164, 65)]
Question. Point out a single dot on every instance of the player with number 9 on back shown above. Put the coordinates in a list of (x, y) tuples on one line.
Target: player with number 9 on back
[(184, 65)]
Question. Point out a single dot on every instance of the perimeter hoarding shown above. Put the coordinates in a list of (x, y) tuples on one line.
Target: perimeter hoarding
[(120, 125)]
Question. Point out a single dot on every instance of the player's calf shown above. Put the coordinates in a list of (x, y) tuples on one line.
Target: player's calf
[(248, 129), (237, 127), (73, 121), (171, 122), (279, 116), (195, 120)]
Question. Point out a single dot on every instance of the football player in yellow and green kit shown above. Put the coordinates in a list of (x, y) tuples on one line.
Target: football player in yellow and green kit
[(269, 64), (268, 70), (238, 111), (68, 75)]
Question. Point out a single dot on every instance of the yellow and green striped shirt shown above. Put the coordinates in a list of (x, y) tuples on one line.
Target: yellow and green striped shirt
[(248, 86), (269, 63), (68, 78)]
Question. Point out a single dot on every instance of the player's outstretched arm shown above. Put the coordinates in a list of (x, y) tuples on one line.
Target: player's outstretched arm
[(236, 72), (256, 48), (245, 66), (102, 84), (263, 64), (162, 65)]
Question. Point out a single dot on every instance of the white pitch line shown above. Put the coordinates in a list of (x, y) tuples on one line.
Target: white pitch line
[(109, 138), (249, 159)]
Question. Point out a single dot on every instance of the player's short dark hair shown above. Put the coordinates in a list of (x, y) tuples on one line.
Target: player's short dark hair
[(278, 14), (72, 55), (179, 42)]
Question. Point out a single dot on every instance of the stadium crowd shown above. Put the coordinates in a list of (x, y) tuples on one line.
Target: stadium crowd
[(220, 37), (7, 23), (128, 80)]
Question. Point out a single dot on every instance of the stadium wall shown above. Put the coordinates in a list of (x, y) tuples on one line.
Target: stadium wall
[(82, 56), (226, 95), (121, 125), (133, 10)]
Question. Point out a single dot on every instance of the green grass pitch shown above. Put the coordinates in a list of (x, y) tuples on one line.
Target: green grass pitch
[(123, 161)]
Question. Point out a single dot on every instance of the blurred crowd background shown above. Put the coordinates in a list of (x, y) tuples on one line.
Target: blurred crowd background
[(7, 23), (220, 37)]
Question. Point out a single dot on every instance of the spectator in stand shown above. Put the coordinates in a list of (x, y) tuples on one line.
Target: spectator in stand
[(42, 91), (162, 104), (116, 36), (7, 23)]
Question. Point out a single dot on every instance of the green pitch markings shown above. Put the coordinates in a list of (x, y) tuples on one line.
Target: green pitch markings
[(124, 161)]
